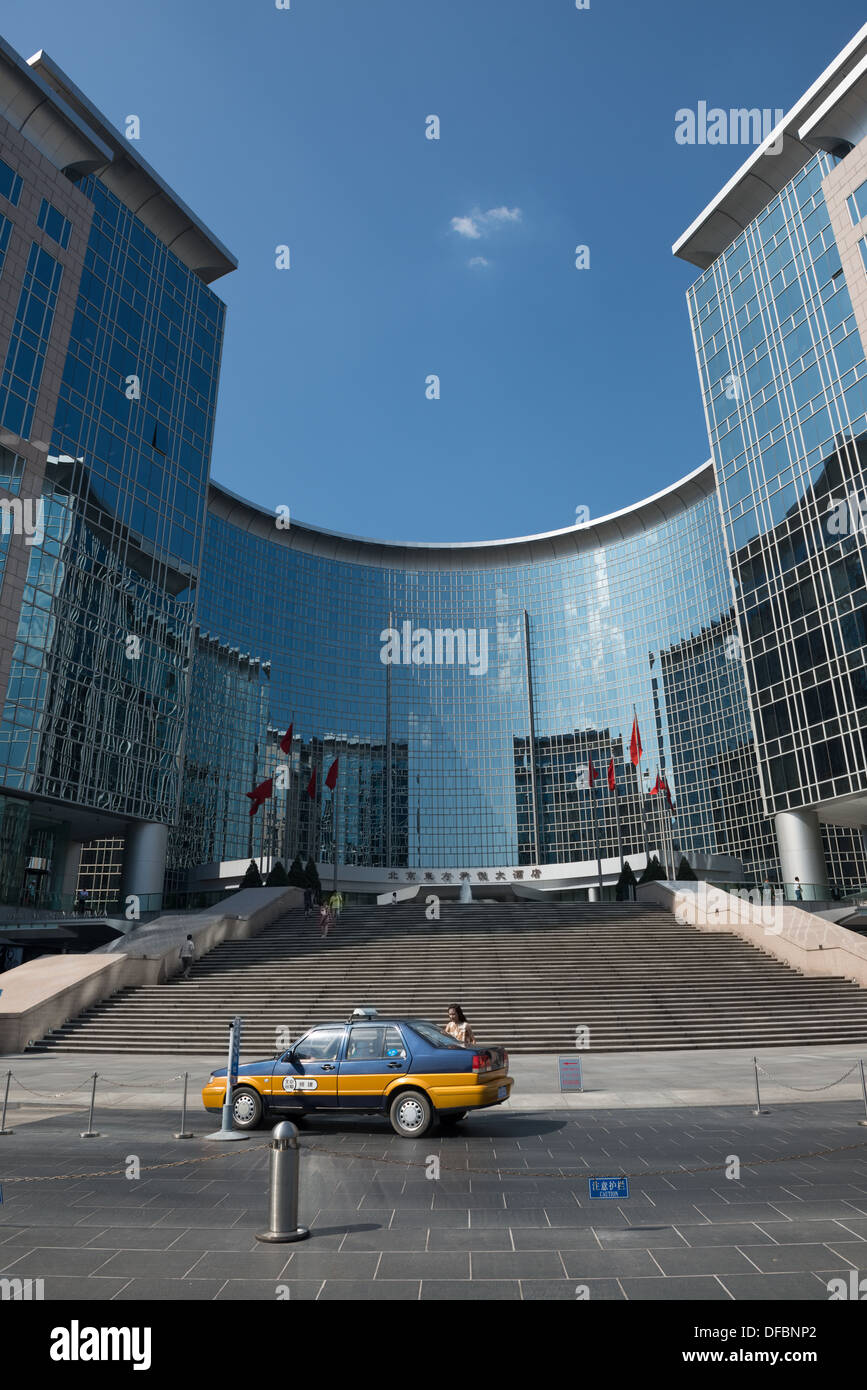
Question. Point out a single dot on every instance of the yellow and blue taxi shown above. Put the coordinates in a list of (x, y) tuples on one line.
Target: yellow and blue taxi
[(403, 1068)]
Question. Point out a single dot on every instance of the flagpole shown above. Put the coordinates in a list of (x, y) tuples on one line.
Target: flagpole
[(619, 832), (334, 828), (641, 791), (598, 849), (388, 752)]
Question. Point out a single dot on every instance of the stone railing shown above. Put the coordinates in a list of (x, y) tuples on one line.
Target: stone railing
[(47, 992), (801, 939)]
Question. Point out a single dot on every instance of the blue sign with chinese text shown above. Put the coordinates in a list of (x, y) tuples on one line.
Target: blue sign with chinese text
[(609, 1187)]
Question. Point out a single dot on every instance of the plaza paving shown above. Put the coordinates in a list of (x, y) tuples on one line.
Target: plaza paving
[(720, 1076), (509, 1217)]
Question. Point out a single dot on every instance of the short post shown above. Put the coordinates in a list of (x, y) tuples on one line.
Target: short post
[(184, 1132), (863, 1092), (227, 1132), (4, 1130), (758, 1110), (283, 1194), (90, 1132)]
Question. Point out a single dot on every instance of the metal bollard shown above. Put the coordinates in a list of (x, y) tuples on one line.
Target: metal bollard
[(863, 1092), (758, 1110), (3, 1129), (283, 1196), (184, 1133), (90, 1132)]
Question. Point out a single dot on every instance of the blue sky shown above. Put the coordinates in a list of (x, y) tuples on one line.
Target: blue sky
[(306, 127)]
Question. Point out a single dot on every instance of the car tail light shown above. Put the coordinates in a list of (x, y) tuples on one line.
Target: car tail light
[(482, 1061)]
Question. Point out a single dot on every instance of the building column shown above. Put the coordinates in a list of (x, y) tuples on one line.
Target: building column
[(802, 854), (593, 895), (144, 862), (71, 866)]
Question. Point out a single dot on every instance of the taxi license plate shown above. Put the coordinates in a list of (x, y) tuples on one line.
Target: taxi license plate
[(502, 1093)]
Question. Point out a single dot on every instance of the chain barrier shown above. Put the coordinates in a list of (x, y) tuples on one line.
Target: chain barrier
[(444, 1168), (788, 1087), (88, 1082)]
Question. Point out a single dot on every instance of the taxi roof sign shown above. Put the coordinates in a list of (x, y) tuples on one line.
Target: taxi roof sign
[(365, 1012)]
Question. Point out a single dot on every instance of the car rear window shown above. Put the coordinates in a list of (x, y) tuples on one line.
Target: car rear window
[(435, 1036)]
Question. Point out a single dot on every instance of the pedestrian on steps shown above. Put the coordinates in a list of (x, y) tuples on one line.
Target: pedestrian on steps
[(457, 1026), (325, 919), (188, 955), (308, 901)]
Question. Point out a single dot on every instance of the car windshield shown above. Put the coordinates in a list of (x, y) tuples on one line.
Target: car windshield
[(435, 1036)]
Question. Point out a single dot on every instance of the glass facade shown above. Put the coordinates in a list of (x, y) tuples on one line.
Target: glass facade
[(784, 377), (485, 758), (96, 701)]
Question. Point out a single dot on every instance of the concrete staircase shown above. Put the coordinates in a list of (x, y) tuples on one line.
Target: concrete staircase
[(527, 975)]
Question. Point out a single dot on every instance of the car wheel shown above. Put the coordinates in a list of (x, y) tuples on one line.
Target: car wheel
[(411, 1114), (246, 1108)]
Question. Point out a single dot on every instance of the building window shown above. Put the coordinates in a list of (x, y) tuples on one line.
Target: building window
[(5, 233), (25, 359), (862, 247), (10, 184), (11, 469), (54, 224), (857, 203)]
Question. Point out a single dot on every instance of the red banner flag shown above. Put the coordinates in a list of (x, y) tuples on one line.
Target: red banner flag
[(331, 779), (594, 775), (612, 785), (311, 786), (657, 786), (635, 748), (259, 795), (667, 790), (286, 741)]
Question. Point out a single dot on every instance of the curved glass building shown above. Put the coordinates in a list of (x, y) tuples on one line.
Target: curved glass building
[(466, 690)]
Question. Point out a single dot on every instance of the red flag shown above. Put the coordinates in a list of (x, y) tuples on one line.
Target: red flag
[(260, 794), (311, 786), (635, 748), (667, 790), (594, 775), (612, 785), (331, 779), (657, 786), (286, 741)]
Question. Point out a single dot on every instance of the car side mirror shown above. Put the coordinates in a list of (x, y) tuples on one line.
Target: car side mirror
[(287, 1056)]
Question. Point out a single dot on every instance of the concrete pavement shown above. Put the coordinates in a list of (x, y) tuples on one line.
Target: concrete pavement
[(616, 1080)]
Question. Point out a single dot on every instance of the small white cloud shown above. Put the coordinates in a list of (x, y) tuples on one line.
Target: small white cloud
[(465, 226), (479, 260), (478, 224)]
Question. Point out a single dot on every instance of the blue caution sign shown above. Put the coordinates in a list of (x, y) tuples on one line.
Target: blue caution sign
[(609, 1187), (571, 1077)]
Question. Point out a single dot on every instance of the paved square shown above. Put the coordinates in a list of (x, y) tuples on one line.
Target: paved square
[(508, 1217)]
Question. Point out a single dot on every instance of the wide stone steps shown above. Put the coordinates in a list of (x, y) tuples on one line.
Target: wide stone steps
[(527, 974)]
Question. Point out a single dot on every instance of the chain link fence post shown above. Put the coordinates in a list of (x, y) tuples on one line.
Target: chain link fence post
[(3, 1129), (90, 1132)]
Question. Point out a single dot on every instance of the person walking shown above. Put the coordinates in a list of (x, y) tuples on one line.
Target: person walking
[(308, 901), (325, 919), (457, 1026), (188, 955), (335, 902), (799, 892)]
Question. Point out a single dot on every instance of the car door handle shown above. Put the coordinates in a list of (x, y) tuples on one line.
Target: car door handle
[(396, 1066), (328, 1066)]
